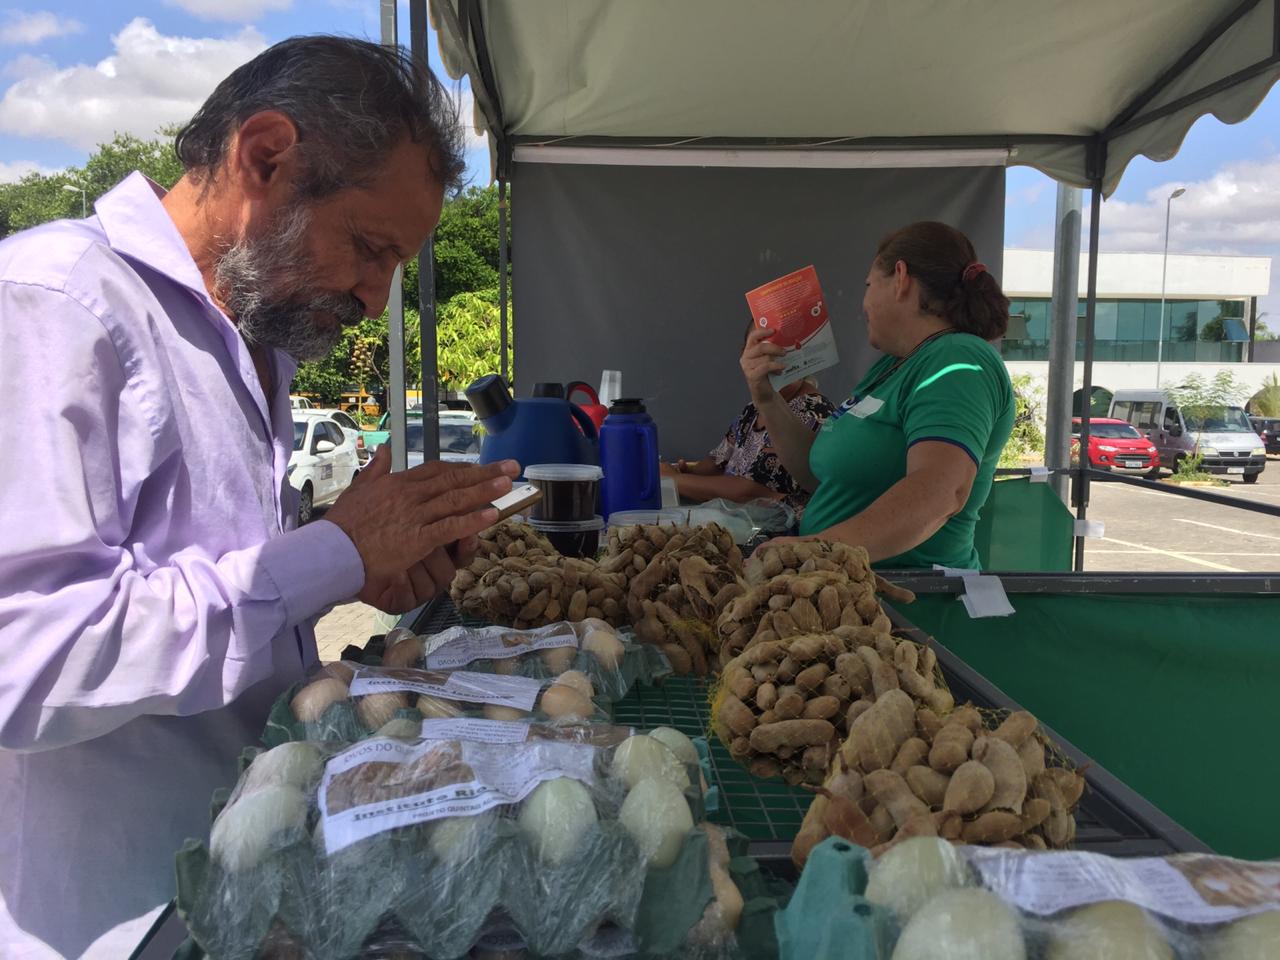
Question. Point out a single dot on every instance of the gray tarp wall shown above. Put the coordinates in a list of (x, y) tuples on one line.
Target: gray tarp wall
[(643, 270)]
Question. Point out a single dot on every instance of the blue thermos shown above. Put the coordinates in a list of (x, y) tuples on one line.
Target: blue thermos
[(629, 458), (544, 428)]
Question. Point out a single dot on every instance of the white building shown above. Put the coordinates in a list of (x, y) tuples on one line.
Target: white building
[(1209, 305)]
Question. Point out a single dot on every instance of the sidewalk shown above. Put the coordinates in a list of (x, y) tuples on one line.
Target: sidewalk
[(351, 623)]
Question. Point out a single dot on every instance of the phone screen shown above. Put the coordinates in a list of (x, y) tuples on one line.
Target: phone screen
[(522, 495)]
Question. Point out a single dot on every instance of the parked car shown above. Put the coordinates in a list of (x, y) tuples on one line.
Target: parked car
[(300, 403), (323, 461), (349, 425), (376, 438), (1116, 446), (1221, 435), (1268, 429), (459, 442)]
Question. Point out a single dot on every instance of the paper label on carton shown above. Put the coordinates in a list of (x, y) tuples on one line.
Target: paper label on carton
[(382, 784), (1194, 888), (459, 646), (477, 730), (796, 310), (460, 685)]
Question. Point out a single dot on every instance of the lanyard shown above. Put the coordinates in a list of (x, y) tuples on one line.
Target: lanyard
[(893, 368)]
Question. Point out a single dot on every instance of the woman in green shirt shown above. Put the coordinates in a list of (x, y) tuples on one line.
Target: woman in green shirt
[(908, 460)]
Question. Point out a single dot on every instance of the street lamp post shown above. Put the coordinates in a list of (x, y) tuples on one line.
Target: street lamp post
[(1164, 272), (80, 190)]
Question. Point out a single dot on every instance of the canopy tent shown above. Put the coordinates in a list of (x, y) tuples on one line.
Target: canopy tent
[(1076, 90)]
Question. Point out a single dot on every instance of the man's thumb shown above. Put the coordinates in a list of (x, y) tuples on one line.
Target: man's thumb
[(378, 466)]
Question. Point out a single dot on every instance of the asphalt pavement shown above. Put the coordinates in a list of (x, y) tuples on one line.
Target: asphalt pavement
[(1150, 531)]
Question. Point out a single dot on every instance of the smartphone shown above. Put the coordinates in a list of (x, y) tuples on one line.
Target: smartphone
[(522, 496)]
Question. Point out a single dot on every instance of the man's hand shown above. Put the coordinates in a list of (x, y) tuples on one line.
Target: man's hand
[(422, 581), (759, 359), (401, 523)]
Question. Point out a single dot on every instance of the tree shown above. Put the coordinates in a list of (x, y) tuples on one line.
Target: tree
[(1262, 332), (1266, 402), (1201, 400), (468, 338), (466, 247)]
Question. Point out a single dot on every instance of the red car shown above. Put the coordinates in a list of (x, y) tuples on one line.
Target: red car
[(1115, 445)]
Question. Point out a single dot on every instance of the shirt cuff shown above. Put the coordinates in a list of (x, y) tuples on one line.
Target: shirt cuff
[(313, 567)]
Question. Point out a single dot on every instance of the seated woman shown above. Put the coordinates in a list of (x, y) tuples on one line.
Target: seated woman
[(904, 465), (745, 466)]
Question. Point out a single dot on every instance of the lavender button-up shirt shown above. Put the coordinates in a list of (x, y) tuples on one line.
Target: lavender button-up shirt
[(154, 596)]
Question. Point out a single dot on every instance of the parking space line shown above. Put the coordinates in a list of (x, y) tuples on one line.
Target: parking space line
[(1214, 526), (1187, 558), (1203, 553)]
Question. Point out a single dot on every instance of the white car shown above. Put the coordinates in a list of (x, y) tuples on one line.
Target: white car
[(323, 461), (349, 426), (459, 442), (300, 403)]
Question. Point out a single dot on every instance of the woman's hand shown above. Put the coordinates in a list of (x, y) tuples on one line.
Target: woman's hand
[(759, 359), (671, 469)]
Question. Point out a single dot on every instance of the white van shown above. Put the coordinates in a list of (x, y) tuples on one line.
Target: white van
[(1223, 436)]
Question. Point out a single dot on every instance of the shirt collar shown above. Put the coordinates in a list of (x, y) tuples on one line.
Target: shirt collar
[(138, 227)]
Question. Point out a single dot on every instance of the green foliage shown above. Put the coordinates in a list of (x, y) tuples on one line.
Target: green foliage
[(468, 338), (1199, 399), (466, 247), (38, 198), (1266, 402), (1027, 439), (1190, 470)]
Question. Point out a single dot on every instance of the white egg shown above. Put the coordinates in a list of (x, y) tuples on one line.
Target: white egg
[(458, 839), (242, 833), (677, 743), (605, 647), (911, 872), (579, 681), (558, 659), (964, 924), (563, 702), (339, 670), (555, 817), (1113, 929), (404, 653), (377, 709), (587, 625), (290, 764), (1251, 938), (401, 728), (436, 709), (310, 703), (496, 711), (657, 816), (641, 757)]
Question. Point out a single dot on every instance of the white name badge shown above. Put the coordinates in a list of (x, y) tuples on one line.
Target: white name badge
[(866, 406)]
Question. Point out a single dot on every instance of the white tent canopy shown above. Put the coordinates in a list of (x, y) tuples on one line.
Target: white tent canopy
[(1076, 89)]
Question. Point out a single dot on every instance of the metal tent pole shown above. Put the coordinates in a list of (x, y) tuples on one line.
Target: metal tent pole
[(395, 303), (1062, 338), (1098, 155), (503, 254), (426, 276)]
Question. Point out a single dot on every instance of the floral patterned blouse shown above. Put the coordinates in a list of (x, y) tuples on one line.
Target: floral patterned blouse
[(747, 452)]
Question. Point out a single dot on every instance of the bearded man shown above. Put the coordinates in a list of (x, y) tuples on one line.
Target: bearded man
[(154, 594)]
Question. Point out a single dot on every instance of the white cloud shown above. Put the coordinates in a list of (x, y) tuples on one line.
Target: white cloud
[(236, 11), (150, 80), (470, 117), (13, 171), (25, 29)]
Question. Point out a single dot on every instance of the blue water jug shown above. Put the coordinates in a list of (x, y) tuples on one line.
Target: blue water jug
[(629, 457), (538, 429)]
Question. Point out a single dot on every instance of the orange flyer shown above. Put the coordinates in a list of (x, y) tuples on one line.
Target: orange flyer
[(794, 307)]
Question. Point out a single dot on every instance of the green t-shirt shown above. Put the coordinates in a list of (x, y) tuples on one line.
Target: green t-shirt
[(954, 389)]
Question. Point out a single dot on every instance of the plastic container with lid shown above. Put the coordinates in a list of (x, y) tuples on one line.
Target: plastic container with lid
[(573, 538), (628, 518), (629, 456), (569, 490)]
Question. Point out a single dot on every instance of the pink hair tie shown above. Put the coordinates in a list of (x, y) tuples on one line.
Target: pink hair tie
[(972, 270)]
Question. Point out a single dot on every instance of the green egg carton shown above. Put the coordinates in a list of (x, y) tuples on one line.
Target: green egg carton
[(828, 918)]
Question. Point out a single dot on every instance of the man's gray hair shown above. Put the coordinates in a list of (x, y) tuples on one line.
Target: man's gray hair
[(352, 102)]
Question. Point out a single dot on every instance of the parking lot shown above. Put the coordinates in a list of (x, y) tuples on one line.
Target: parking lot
[(1146, 530)]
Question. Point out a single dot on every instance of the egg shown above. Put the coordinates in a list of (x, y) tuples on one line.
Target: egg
[(496, 711), (316, 697), (605, 646), (458, 839), (911, 872), (377, 709), (242, 834), (964, 924), (339, 670), (588, 624), (506, 666), (641, 757), (296, 764), (677, 743), (405, 653), (1250, 938), (401, 728), (436, 709), (579, 681), (1113, 929), (560, 701), (558, 659), (657, 816), (395, 635), (555, 817)]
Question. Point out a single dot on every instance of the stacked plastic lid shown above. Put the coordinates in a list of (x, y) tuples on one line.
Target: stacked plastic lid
[(566, 514), (558, 839)]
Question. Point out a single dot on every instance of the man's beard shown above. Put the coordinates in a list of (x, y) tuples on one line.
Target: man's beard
[(269, 285)]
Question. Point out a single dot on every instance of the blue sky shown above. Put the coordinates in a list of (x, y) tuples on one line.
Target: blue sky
[(74, 72)]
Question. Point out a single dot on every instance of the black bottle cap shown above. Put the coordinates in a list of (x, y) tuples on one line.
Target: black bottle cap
[(549, 390), (627, 406), (489, 396)]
